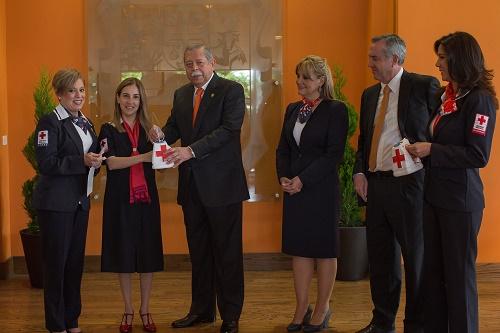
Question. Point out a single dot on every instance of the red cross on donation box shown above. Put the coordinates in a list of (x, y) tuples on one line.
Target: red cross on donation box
[(162, 152), (398, 158)]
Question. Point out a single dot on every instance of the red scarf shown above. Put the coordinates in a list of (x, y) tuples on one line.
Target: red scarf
[(306, 109), (138, 186), (449, 104)]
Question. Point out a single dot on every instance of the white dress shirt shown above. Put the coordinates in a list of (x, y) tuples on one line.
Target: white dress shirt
[(390, 132)]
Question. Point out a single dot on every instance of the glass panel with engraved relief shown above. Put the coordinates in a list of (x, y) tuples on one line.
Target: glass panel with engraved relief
[(146, 39)]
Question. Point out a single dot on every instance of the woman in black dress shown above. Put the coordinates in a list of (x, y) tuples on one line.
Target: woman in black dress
[(131, 236), (461, 133), (311, 147)]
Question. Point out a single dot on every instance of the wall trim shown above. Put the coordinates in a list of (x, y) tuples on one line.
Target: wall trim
[(7, 269), (180, 262)]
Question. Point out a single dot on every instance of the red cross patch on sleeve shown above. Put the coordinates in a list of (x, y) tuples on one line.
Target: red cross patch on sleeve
[(43, 138), (480, 124)]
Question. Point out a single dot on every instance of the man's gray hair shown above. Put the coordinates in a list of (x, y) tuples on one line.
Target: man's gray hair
[(394, 46), (206, 51)]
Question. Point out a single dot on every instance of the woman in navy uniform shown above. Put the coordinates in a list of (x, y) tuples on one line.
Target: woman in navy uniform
[(461, 132), (307, 158), (66, 149), (131, 234)]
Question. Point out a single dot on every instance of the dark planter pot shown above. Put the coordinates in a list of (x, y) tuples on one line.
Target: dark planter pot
[(352, 263), (32, 246)]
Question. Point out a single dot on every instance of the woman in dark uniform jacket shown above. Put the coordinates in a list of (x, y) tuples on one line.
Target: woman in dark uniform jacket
[(65, 148), (131, 234), (461, 132), (311, 147)]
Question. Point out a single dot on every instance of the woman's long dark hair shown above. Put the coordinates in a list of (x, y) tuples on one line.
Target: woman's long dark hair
[(466, 62)]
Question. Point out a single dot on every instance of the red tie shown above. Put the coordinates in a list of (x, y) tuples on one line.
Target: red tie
[(197, 100)]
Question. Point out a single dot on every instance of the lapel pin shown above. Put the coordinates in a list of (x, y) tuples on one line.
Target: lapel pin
[(212, 95)]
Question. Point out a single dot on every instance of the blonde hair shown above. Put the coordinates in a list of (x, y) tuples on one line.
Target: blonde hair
[(65, 79), (318, 66), (142, 111)]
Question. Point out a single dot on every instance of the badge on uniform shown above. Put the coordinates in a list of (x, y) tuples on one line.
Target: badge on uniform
[(480, 124), (402, 162), (43, 138), (160, 155)]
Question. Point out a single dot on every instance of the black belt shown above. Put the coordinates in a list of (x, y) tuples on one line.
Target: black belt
[(380, 174)]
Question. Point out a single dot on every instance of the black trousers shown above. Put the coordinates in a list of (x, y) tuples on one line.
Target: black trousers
[(215, 246), (394, 227), (63, 247), (450, 239)]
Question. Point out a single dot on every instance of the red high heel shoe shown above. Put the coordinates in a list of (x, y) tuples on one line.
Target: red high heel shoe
[(149, 326), (125, 327)]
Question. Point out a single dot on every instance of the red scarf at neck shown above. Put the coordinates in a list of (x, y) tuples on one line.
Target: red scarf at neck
[(138, 186), (306, 109), (449, 104)]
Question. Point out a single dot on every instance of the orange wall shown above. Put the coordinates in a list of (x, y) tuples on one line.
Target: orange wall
[(5, 246), (262, 221), (38, 35), (420, 23), (336, 29), (381, 20)]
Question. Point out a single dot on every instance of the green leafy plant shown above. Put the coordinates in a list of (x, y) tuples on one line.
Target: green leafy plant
[(44, 104), (350, 213)]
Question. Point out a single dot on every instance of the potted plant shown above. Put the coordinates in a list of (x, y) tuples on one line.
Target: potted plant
[(352, 263), (30, 236)]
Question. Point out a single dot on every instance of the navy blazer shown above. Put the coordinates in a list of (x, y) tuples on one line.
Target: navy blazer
[(458, 151), (215, 139), (418, 98), (62, 183), (322, 143)]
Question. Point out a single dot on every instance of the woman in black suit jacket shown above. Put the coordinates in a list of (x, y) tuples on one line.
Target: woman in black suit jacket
[(311, 147), (65, 148), (461, 132)]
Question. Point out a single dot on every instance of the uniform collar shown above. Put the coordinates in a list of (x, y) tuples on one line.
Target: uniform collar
[(62, 113)]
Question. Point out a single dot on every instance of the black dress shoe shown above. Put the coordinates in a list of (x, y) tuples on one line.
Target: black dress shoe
[(371, 328), (309, 328), (292, 327), (192, 320), (229, 327)]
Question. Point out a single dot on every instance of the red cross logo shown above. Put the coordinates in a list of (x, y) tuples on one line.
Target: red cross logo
[(398, 158), (42, 135), (162, 152), (481, 120)]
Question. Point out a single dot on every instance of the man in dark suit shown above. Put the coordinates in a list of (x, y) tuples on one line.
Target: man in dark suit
[(397, 107), (207, 115)]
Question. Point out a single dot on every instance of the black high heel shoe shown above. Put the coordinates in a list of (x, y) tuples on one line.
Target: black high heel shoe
[(292, 327), (308, 328)]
